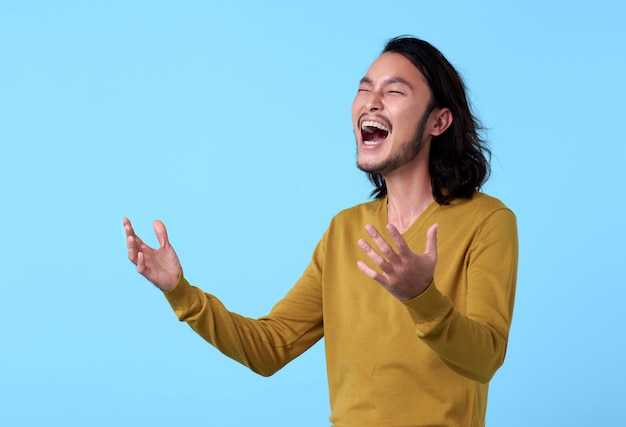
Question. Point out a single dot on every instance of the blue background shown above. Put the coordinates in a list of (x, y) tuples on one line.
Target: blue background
[(231, 123)]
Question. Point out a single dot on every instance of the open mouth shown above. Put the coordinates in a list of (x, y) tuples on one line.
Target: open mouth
[(373, 133)]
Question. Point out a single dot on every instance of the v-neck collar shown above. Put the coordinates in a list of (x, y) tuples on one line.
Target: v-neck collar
[(383, 217)]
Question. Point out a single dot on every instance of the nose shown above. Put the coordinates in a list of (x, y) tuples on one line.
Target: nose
[(373, 101)]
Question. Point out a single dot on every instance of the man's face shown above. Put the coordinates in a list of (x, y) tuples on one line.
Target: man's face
[(390, 114)]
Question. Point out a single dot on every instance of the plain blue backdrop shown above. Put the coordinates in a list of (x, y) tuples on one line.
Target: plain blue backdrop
[(230, 121)]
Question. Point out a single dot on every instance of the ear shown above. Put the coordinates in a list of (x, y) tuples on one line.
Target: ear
[(442, 120)]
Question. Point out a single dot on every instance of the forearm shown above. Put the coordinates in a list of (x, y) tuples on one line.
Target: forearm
[(264, 345), (470, 347)]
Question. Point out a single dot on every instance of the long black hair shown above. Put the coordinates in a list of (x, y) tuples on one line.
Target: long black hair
[(458, 161)]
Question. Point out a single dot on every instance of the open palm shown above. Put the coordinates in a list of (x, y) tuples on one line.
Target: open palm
[(160, 266)]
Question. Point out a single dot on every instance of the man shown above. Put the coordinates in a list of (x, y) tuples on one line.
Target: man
[(413, 292)]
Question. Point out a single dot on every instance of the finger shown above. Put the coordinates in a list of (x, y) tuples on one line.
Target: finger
[(370, 272), (161, 233), (381, 243), (128, 228), (131, 240), (396, 236), (431, 240), (376, 258), (133, 250), (141, 263), (131, 237), (130, 232)]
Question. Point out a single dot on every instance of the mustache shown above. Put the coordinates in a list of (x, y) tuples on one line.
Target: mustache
[(379, 117)]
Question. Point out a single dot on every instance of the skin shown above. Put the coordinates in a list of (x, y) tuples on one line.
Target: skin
[(394, 93), (160, 266)]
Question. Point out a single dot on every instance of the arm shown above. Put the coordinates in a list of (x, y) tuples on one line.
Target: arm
[(264, 345), (471, 340)]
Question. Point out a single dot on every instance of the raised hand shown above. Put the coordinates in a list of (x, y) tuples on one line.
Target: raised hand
[(405, 274), (160, 266)]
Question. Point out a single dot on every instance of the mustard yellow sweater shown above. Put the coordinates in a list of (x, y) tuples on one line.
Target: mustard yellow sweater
[(424, 362)]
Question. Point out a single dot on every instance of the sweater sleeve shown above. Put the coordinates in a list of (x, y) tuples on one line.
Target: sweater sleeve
[(473, 341), (266, 344)]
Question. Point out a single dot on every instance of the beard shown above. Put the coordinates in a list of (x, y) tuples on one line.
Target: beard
[(406, 152)]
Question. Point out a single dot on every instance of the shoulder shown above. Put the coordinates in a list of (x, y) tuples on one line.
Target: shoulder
[(480, 204), (484, 200), (478, 211), (361, 211), (477, 222)]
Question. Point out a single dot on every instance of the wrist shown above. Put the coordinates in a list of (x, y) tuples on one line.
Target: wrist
[(172, 282)]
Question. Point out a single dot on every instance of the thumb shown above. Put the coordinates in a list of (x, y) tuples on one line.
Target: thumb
[(431, 240), (161, 233)]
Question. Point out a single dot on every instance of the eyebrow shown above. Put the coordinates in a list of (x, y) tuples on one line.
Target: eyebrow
[(388, 81)]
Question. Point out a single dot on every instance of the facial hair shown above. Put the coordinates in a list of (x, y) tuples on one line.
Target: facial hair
[(407, 151)]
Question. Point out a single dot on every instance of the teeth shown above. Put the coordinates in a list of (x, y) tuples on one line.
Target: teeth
[(371, 124), (371, 142)]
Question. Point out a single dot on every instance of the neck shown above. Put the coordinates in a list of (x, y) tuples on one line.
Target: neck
[(409, 193), (405, 205)]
